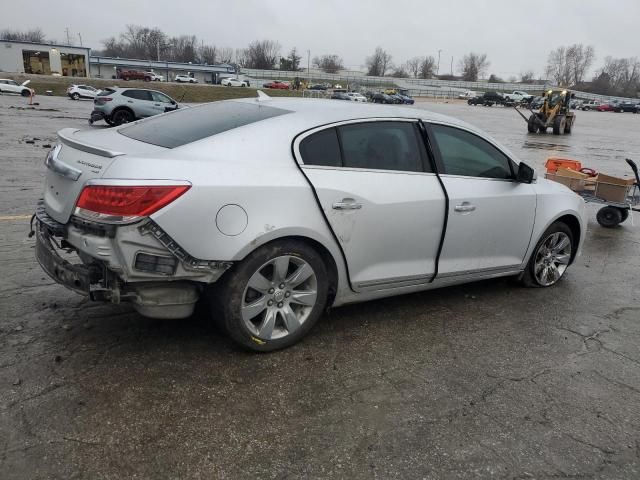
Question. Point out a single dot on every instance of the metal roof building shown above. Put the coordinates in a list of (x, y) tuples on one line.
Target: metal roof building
[(44, 58), (106, 67)]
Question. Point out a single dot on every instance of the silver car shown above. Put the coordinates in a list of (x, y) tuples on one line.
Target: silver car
[(124, 105), (274, 210)]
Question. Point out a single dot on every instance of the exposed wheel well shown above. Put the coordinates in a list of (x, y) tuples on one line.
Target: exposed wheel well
[(574, 225)]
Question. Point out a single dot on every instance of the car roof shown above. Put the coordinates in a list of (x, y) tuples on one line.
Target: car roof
[(312, 112)]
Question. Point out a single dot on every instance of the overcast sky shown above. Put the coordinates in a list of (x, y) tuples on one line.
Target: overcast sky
[(516, 35)]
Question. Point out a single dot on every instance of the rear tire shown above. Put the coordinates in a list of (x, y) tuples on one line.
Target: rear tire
[(120, 117), (261, 304), (550, 258), (25, 93), (609, 217), (532, 124), (568, 125), (75, 96)]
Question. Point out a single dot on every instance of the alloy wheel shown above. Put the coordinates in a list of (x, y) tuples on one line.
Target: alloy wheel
[(552, 258), (279, 297)]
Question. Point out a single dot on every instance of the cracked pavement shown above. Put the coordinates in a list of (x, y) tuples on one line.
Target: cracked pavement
[(487, 380)]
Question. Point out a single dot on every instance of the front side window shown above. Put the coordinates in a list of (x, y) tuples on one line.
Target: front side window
[(160, 97), (466, 154), (382, 146)]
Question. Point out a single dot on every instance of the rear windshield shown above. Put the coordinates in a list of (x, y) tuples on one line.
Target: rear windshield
[(192, 124)]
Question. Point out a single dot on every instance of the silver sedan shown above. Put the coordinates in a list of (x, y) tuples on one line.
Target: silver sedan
[(274, 210)]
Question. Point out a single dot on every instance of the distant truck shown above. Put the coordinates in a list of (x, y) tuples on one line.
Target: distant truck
[(134, 75), (517, 96)]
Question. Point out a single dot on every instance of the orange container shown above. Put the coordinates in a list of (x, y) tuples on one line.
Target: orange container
[(553, 164)]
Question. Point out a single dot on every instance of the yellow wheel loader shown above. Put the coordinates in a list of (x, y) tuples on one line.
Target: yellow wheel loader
[(555, 112)]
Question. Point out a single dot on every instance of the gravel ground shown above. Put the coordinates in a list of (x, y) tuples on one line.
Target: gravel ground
[(487, 380)]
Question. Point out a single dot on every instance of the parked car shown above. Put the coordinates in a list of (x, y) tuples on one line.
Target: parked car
[(76, 92), (318, 86), (488, 99), (606, 107), (133, 75), (357, 97), (154, 77), (124, 105), (406, 99), (467, 95), (185, 79), (155, 223), (589, 105), (517, 96), (382, 98), (234, 82), (11, 86), (340, 96), (277, 85), (536, 103), (627, 107)]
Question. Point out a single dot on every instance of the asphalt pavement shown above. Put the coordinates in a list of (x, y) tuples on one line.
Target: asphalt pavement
[(487, 380)]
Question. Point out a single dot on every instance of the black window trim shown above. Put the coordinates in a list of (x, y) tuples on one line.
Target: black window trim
[(416, 121), (438, 156)]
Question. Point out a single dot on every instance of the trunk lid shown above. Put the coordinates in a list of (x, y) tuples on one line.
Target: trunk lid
[(25, 83), (79, 157)]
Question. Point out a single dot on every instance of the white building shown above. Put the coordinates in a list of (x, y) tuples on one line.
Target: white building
[(43, 58)]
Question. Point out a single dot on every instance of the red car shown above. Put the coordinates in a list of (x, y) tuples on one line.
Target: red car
[(606, 107), (276, 84)]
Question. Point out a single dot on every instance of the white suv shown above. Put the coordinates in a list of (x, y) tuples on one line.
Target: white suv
[(11, 86), (76, 92), (154, 77), (185, 79)]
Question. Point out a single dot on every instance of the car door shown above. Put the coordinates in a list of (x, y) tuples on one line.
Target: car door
[(141, 102), (376, 188), (162, 103), (491, 216)]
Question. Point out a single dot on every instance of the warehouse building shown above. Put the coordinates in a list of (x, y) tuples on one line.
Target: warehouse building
[(43, 59)]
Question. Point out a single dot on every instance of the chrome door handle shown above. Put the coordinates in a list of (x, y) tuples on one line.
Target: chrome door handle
[(347, 204), (465, 207)]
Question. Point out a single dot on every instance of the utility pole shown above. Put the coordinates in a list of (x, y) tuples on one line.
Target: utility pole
[(158, 50), (309, 66), (80, 37), (452, 65), (438, 67), (68, 38)]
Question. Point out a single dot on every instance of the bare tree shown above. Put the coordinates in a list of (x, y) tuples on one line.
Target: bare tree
[(618, 76), (413, 66), (294, 58), (225, 55), (262, 54), (328, 63), (569, 65), (527, 76), (400, 72), (428, 67), (241, 57), (473, 66), (208, 54), (35, 35), (378, 63)]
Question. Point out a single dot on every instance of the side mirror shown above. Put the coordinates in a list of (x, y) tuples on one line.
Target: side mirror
[(526, 174)]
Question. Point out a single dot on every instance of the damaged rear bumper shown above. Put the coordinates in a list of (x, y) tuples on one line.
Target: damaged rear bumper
[(90, 276)]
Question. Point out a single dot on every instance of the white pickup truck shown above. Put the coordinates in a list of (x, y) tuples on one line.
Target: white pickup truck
[(517, 96)]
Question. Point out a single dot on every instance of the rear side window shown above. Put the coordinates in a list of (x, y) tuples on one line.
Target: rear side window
[(466, 154), (321, 148), (192, 124), (138, 94), (381, 146), (106, 92)]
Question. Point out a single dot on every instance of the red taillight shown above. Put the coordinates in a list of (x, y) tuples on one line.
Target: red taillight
[(125, 203), (103, 99)]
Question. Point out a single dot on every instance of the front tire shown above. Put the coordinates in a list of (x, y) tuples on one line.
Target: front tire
[(550, 258), (25, 93), (75, 96), (273, 297), (559, 124)]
